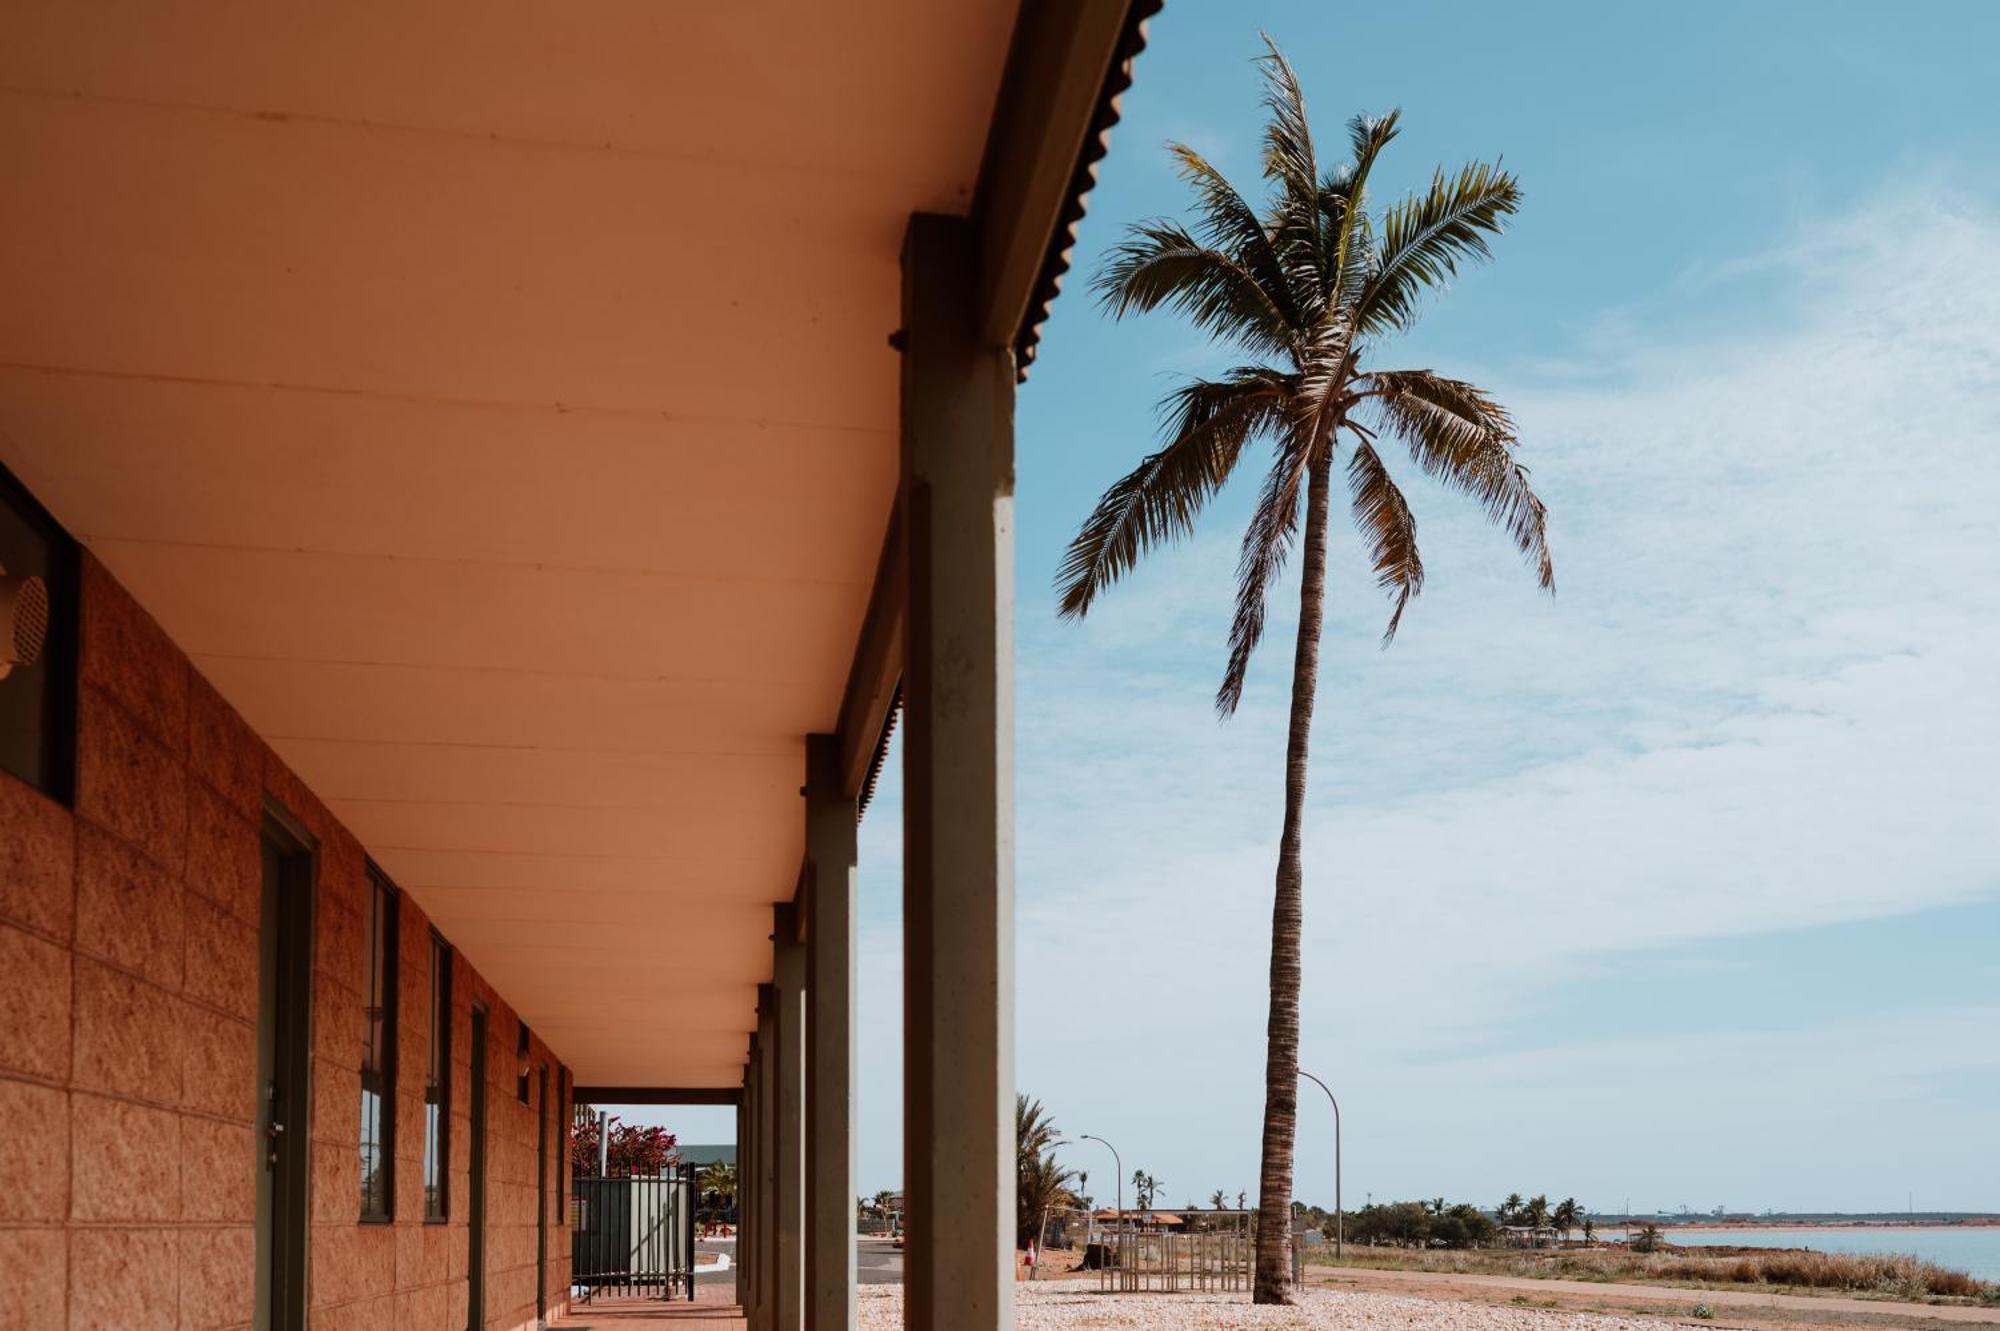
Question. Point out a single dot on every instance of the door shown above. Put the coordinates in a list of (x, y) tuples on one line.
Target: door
[(284, 1044), (475, 1209), (542, 1194)]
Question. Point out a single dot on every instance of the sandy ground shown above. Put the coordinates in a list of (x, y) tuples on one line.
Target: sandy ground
[(1060, 1306), (1744, 1308)]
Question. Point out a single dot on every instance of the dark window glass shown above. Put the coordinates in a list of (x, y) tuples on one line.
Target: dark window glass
[(378, 1055), (437, 1086), (38, 618), (521, 1062)]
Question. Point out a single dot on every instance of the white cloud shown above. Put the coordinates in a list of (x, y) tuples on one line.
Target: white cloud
[(1763, 700)]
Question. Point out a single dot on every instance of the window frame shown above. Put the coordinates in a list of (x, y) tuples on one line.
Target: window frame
[(380, 975), (437, 1089), (62, 654)]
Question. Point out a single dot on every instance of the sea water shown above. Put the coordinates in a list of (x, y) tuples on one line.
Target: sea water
[(1974, 1250)]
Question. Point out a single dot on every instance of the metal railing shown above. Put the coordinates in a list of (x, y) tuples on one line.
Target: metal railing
[(634, 1234)]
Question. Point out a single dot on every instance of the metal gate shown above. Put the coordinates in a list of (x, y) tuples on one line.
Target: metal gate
[(634, 1235)]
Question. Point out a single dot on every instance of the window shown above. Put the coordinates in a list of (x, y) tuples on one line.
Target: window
[(38, 619), (521, 1057), (378, 1054), (437, 1087)]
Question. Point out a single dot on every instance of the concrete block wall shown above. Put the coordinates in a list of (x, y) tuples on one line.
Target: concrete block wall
[(128, 1046)]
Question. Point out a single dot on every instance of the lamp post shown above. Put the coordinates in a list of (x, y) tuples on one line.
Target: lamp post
[(1118, 1166), (1339, 1218)]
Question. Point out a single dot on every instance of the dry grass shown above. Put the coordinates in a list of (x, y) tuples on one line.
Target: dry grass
[(1787, 1268)]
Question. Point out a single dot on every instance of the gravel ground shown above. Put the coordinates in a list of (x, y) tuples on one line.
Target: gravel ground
[(1066, 1305)]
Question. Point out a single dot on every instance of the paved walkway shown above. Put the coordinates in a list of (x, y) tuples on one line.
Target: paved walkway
[(1369, 1277)]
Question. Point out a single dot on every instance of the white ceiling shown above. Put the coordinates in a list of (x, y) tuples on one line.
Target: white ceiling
[(494, 400)]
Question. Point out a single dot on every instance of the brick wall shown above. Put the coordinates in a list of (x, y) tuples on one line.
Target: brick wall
[(128, 1045)]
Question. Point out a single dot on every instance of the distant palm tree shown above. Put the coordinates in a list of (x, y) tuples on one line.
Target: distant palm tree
[(1510, 1210), (1565, 1216), (1042, 1187), (1033, 1130), (1039, 1183), (1536, 1212), (1310, 289), (718, 1178), (1218, 1199)]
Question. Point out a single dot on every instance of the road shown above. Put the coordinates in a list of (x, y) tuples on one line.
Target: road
[(879, 1261)]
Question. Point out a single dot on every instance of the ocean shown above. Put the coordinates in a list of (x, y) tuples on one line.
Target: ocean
[(1974, 1250)]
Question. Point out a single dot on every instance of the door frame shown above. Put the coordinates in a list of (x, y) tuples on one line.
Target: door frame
[(475, 1183), (288, 868), (542, 1195)]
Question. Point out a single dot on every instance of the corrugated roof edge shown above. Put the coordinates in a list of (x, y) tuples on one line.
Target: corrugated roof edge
[(1055, 265)]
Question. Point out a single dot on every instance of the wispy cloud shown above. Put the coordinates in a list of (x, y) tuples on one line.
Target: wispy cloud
[(1763, 700)]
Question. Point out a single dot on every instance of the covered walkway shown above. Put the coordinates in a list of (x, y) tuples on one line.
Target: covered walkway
[(527, 457)]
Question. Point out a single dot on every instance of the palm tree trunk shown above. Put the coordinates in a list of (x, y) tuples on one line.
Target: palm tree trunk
[(1281, 1059)]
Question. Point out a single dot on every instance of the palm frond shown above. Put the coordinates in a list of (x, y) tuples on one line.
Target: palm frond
[(1461, 436), (1207, 423), (1267, 543), (1288, 145), (1160, 263), (1230, 225), (1426, 236), (1351, 259), (1385, 520), (1291, 165)]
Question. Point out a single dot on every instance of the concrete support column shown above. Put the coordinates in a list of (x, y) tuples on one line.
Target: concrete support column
[(742, 1159), (830, 984), (788, 1229), (958, 794), (763, 1248)]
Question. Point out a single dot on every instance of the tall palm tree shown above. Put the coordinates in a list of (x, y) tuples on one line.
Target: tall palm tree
[(1309, 289)]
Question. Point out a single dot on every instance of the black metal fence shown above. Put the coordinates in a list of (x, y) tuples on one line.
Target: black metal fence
[(634, 1235)]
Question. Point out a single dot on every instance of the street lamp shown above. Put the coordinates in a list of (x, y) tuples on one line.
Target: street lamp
[(1339, 1218), (1118, 1167)]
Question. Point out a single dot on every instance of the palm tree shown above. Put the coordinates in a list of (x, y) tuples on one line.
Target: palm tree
[(1218, 1199), (1565, 1216), (1033, 1130), (1309, 289), (1042, 1186), (717, 1177), (1536, 1212), (1510, 1209), (1039, 1183)]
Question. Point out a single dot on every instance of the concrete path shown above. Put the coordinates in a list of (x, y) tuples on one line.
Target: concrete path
[(1370, 1277)]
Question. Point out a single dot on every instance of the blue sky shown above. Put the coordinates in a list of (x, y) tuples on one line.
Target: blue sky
[(1683, 886)]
